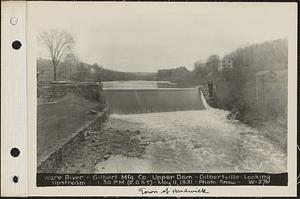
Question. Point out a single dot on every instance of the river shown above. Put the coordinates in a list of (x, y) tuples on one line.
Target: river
[(201, 140), (137, 84)]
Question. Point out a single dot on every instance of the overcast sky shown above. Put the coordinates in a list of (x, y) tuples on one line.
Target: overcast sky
[(147, 37)]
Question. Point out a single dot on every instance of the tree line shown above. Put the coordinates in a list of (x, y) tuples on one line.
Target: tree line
[(272, 55), (83, 72)]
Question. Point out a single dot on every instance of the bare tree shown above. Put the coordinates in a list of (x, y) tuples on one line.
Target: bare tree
[(59, 44)]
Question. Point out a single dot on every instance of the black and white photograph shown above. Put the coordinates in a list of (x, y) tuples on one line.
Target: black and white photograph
[(162, 88)]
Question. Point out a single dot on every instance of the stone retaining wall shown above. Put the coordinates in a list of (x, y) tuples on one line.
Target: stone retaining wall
[(49, 92)]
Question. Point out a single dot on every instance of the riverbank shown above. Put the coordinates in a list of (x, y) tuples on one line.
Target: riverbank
[(273, 127), (270, 125), (258, 102), (116, 137)]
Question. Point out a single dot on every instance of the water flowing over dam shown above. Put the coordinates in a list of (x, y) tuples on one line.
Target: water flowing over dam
[(134, 101)]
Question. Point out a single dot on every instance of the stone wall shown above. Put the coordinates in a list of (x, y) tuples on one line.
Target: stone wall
[(55, 161), (49, 92)]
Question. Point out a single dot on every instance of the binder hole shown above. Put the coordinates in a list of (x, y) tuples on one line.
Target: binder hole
[(15, 179), (16, 45), (14, 152), (13, 20)]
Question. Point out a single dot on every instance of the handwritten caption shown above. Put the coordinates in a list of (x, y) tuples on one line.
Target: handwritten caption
[(173, 191)]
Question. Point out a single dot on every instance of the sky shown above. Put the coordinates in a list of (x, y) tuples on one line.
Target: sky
[(145, 37)]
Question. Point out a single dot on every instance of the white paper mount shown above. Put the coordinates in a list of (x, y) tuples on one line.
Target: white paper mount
[(13, 99)]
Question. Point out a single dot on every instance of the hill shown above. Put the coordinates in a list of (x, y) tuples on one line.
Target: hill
[(271, 55), (83, 72)]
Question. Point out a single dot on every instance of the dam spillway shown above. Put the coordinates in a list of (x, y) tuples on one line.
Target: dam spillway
[(134, 101)]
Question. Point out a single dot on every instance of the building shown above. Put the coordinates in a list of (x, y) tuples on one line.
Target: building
[(263, 80), (265, 76), (225, 63)]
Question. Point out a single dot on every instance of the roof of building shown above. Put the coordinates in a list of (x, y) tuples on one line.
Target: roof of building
[(264, 72)]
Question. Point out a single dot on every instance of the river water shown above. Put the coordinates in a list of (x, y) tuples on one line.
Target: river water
[(195, 141), (137, 84)]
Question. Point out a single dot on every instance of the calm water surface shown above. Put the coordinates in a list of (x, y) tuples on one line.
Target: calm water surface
[(134, 84)]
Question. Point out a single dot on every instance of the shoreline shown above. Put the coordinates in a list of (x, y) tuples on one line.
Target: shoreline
[(272, 127)]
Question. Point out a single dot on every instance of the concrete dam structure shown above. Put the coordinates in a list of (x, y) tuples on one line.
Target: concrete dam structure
[(134, 101)]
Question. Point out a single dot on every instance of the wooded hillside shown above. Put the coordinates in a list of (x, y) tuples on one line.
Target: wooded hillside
[(83, 72)]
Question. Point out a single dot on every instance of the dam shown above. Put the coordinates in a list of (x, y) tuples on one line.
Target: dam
[(136, 97), (134, 101)]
